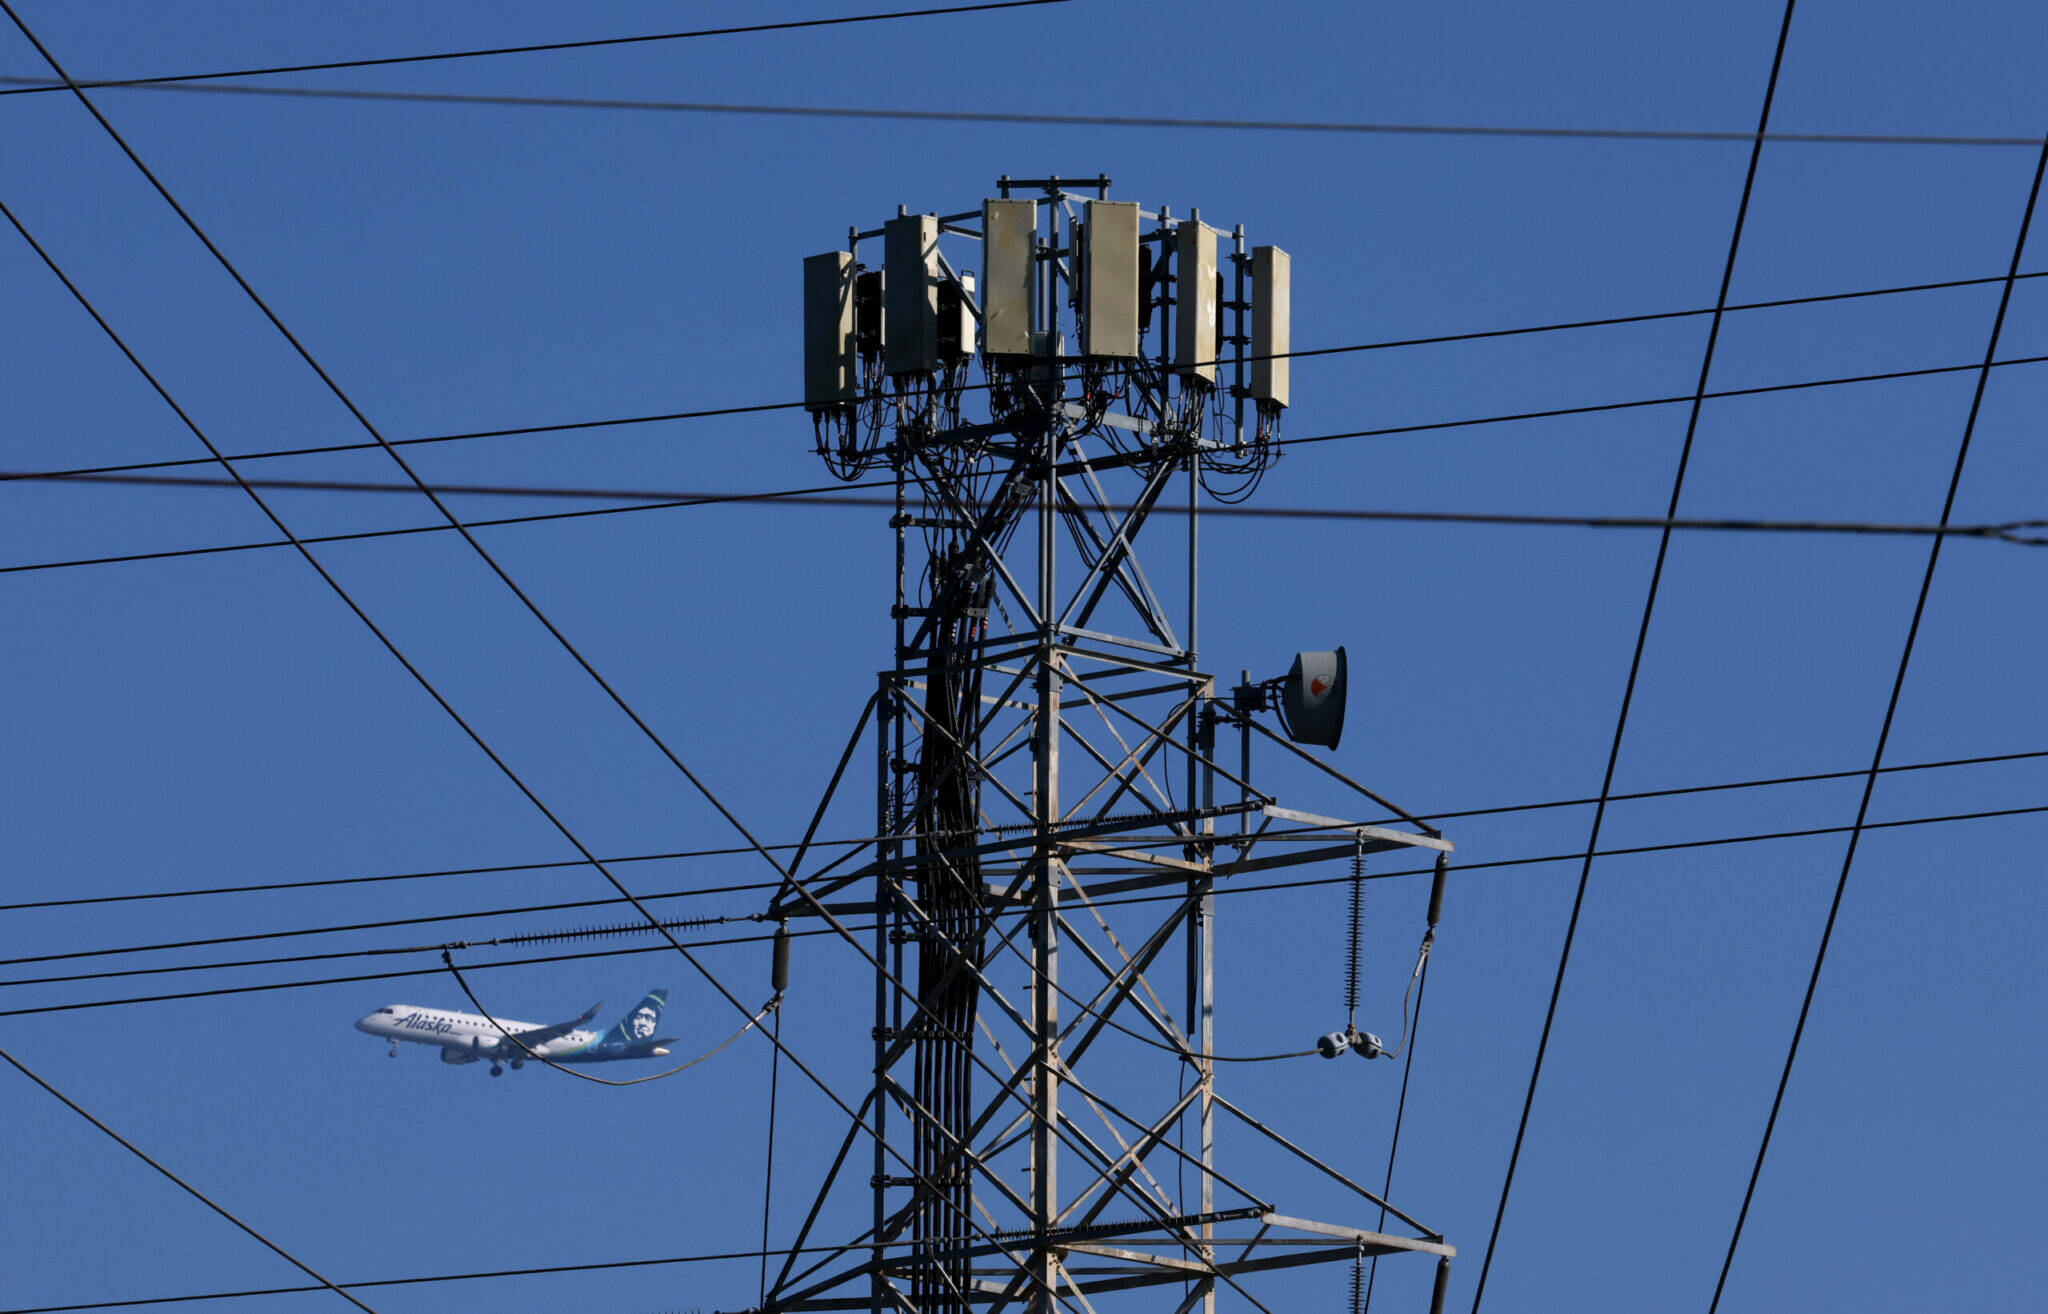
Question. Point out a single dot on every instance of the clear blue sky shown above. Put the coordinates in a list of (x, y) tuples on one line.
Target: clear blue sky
[(223, 720)]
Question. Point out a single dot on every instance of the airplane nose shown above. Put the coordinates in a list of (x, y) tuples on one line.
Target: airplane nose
[(363, 1022)]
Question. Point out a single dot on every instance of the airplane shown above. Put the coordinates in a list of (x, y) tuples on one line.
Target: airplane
[(469, 1037)]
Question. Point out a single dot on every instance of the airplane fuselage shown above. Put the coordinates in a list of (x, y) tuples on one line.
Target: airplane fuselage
[(467, 1037), (464, 1033)]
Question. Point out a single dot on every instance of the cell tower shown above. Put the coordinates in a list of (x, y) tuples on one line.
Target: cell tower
[(1049, 794)]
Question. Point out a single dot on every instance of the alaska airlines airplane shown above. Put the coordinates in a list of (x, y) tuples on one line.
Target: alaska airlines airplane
[(467, 1037)]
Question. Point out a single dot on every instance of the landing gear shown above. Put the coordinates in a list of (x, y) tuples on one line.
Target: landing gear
[(394, 1049), (518, 1064), (497, 1071)]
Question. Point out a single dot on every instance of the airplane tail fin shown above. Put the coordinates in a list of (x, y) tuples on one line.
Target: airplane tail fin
[(637, 1026)]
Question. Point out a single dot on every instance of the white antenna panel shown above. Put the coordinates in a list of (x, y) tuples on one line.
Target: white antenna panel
[(1009, 237), (830, 370), (1272, 307), (910, 294), (1194, 300), (1109, 279)]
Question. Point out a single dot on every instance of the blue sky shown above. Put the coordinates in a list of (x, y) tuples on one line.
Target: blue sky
[(223, 720)]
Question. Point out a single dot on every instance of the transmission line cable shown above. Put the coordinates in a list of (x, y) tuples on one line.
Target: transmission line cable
[(1752, 783), (387, 924), (184, 1185), (678, 764), (1575, 855), (1874, 768), (267, 886), (419, 677), (539, 1271), (560, 638), (398, 533), (478, 547), (2014, 531), (1496, 810), (386, 951), (521, 431), (502, 766), (2022, 532), (1400, 1119), (1883, 737), (168, 79), (1600, 408), (490, 561), (1636, 658), (768, 1171), (1475, 335), (348, 403), (596, 1267), (335, 585), (198, 83)]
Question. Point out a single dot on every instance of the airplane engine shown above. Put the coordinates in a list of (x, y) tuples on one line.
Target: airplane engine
[(457, 1056)]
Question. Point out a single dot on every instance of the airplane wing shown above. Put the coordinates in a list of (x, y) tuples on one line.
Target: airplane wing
[(535, 1037)]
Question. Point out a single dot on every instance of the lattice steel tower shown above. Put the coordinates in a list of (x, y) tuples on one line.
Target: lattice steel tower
[(1049, 795)]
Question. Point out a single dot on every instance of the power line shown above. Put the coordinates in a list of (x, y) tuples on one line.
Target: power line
[(1492, 864), (1883, 735), (1172, 122), (768, 1171), (1442, 339), (324, 449), (596, 1267), (2016, 531), (186, 1186), (429, 874), (348, 403), (391, 924), (1400, 1117), (457, 525), (265, 987), (359, 535), (413, 876), (835, 490), (1493, 810), (1597, 408), (1667, 524), (1636, 658), (505, 768), (35, 85), (334, 584), (970, 1223), (1752, 783), (533, 937)]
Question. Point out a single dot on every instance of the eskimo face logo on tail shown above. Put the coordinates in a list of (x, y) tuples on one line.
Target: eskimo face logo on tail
[(641, 1022)]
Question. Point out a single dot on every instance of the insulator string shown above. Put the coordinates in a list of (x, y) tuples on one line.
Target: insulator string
[(1353, 953)]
